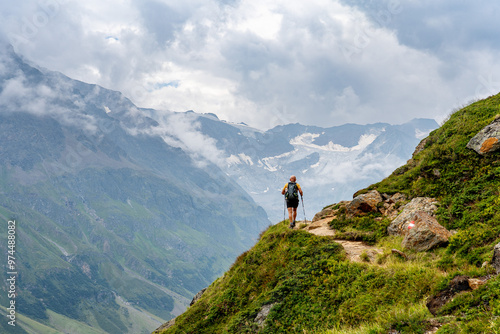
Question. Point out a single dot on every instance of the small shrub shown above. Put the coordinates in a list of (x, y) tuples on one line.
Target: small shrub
[(364, 257)]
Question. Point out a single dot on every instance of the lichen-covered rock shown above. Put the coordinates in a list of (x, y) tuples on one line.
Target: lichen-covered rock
[(330, 211), (197, 296), (495, 261), (399, 226), (261, 317), (458, 284), (392, 204), (476, 283), (420, 147), (426, 233), (364, 203), (166, 325), (487, 140)]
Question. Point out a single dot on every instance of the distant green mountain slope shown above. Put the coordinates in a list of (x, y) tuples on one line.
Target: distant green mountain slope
[(296, 282), (115, 229)]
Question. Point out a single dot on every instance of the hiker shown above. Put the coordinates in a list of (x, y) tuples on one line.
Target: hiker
[(291, 190)]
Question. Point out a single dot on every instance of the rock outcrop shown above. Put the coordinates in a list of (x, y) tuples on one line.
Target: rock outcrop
[(425, 234), (458, 284), (197, 296), (487, 140), (495, 261), (166, 325), (364, 203), (390, 208), (261, 317), (420, 147), (399, 226), (328, 211)]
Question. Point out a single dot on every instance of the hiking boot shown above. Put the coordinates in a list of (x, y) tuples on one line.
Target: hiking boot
[(292, 224)]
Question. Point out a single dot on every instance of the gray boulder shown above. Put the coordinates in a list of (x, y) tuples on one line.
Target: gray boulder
[(166, 325), (457, 285), (261, 317), (364, 203), (495, 261), (197, 296), (392, 204), (420, 147), (325, 213), (426, 233), (399, 225), (487, 140)]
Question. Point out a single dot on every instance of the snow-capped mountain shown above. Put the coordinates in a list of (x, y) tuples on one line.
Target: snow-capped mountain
[(330, 163)]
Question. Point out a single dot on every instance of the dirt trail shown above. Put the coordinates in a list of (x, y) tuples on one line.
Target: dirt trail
[(353, 249)]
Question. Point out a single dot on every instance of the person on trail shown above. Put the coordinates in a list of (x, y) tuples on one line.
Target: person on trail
[(291, 190)]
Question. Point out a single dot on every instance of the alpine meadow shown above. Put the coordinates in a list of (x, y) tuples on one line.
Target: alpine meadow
[(296, 281)]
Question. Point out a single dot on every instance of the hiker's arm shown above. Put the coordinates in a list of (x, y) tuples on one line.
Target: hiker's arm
[(284, 189)]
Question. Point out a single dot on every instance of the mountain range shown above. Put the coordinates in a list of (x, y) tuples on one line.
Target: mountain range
[(330, 163), (116, 229), (124, 213)]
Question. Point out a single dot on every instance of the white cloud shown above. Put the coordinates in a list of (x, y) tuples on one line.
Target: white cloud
[(21, 94), (268, 63), (182, 130)]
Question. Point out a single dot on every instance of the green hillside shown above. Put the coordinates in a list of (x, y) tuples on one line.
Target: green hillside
[(311, 287)]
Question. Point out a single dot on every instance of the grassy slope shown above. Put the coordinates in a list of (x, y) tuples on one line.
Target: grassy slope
[(467, 186), (312, 284), (317, 291)]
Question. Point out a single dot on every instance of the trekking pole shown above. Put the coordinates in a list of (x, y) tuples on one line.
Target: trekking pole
[(305, 219), (284, 207)]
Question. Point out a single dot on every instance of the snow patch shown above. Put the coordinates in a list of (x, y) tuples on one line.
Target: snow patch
[(239, 159), (260, 192), (272, 163), (246, 159), (421, 134), (364, 141), (306, 140), (316, 165), (266, 163)]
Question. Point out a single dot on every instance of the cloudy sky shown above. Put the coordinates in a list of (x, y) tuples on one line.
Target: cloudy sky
[(317, 62)]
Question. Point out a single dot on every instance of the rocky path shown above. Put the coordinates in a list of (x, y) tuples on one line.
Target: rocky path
[(353, 249)]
